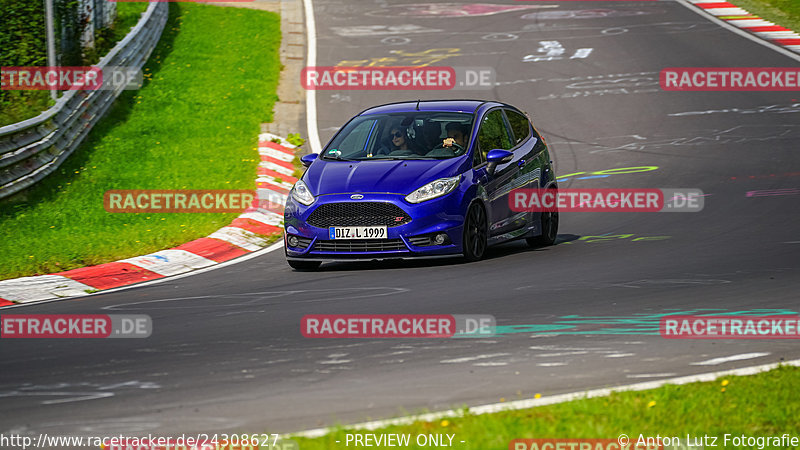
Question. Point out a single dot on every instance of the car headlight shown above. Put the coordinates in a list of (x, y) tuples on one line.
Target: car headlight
[(301, 193), (433, 189)]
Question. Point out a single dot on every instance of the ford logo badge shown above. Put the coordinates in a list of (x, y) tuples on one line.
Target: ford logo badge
[(356, 196)]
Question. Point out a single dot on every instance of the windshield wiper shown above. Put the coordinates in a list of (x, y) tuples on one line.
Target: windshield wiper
[(338, 158)]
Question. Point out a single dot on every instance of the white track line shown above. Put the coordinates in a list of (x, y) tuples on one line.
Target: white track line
[(724, 359), (531, 403), (472, 358), (738, 31), (651, 375), (311, 94)]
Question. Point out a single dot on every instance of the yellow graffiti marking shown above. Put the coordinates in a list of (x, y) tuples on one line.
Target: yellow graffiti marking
[(402, 58), (614, 171), (608, 238)]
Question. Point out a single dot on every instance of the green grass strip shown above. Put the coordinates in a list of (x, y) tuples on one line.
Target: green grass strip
[(785, 13), (194, 125), (765, 404)]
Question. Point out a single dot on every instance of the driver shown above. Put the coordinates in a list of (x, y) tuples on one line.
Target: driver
[(456, 134)]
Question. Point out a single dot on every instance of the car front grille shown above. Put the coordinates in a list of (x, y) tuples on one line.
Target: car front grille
[(347, 214), (360, 245)]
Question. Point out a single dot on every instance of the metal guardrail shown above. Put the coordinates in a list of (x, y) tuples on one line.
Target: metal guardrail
[(32, 149)]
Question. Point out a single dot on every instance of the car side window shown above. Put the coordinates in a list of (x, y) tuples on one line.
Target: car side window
[(355, 143), (519, 126), (493, 133), (478, 157)]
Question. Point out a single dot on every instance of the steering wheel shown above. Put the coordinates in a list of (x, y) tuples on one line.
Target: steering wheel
[(457, 149)]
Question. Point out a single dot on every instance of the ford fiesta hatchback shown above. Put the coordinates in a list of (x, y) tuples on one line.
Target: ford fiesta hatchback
[(419, 179)]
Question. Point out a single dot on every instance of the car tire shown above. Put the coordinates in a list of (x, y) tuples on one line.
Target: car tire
[(475, 233), (303, 266), (549, 222)]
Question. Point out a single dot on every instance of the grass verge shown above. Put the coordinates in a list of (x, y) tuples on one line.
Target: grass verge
[(759, 405), (785, 13), (208, 85)]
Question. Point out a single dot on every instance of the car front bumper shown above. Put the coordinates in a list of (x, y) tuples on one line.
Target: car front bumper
[(440, 215)]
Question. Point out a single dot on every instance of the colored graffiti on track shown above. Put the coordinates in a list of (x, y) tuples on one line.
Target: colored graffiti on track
[(634, 324)]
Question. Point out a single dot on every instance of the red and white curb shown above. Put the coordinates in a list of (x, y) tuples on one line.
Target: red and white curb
[(244, 235), (755, 25)]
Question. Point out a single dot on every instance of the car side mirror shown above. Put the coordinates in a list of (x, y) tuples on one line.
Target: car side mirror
[(495, 157), (308, 159)]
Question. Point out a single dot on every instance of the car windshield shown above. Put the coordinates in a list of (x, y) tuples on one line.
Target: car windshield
[(409, 135)]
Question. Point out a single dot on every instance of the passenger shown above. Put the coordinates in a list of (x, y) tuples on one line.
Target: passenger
[(399, 140), (396, 141), (400, 144)]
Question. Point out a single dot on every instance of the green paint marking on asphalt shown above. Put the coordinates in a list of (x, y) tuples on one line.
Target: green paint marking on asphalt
[(636, 324)]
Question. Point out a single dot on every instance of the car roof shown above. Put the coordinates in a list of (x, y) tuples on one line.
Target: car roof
[(467, 106)]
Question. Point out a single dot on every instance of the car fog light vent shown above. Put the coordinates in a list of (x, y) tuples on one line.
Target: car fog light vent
[(420, 241), (298, 242)]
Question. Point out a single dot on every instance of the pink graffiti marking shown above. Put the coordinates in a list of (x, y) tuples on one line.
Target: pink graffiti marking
[(452, 9), (772, 175), (773, 192)]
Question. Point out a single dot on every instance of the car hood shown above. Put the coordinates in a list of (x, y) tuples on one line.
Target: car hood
[(390, 176)]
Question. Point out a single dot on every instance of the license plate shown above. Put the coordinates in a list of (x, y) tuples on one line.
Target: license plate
[(357, 232)]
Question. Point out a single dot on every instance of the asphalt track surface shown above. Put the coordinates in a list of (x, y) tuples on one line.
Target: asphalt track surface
[(227, 354)]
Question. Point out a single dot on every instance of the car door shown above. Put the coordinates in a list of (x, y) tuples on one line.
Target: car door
[(495, 134), (531, 157)]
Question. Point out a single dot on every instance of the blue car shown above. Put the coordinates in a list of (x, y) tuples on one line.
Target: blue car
[(419, 179)]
